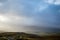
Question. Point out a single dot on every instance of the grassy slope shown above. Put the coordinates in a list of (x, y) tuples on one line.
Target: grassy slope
[(21, 35)]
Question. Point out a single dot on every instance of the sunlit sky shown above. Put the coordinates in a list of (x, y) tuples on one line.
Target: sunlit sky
[(29, 15)]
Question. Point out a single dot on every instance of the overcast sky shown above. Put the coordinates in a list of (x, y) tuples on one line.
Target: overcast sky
[(29, 15)]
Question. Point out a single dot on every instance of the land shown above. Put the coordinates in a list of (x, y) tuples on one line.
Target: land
[(27, 36)]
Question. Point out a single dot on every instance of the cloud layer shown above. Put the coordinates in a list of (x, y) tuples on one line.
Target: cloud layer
[(29, 15)]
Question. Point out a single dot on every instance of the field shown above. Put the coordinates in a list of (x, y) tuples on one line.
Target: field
[(26, 36)]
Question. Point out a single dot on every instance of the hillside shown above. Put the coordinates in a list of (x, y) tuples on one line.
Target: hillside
[(26, 36)]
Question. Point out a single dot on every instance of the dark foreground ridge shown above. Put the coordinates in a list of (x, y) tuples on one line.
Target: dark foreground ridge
[(26, 36)]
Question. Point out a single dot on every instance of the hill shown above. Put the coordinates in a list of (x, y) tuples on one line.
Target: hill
[(26, 36)]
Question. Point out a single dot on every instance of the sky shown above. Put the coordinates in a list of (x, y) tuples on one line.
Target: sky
[(30, 15)]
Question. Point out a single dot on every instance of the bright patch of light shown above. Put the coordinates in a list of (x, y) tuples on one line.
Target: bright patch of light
[(55, 2), (1, 4), (49, 1), (3, 18)]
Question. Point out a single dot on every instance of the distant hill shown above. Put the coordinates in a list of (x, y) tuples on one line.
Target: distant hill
[(27, 36), (20, 35)]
